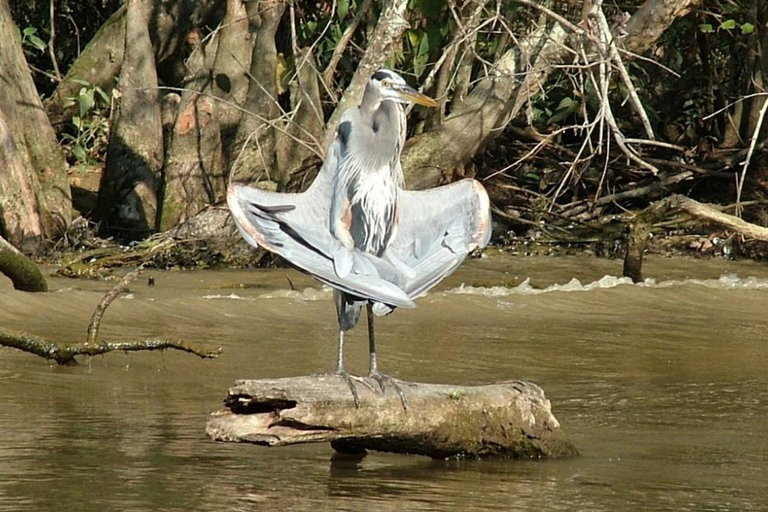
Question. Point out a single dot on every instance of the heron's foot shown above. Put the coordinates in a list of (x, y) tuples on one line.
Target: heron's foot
[(385, 380), (350, 380)]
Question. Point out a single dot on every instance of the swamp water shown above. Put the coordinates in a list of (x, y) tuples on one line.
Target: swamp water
[(663, 387)]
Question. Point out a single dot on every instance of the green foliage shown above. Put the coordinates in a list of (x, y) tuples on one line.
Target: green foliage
[(87, 143), (29, 38)]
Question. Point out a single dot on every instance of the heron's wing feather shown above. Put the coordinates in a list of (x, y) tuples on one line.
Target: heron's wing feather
[(437, 229), (296, 226)]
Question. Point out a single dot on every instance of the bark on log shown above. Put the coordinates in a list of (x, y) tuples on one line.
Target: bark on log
[(129, 185), (510, 419), (22, 271)]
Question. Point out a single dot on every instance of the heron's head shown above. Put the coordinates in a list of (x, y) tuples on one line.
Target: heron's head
[(391, 86)]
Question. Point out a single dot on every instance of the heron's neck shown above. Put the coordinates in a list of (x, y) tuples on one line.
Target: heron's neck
[(385, 121)]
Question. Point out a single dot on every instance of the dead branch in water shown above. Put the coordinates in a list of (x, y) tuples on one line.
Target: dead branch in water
[(644, 220), (509, 419), (65, 353)]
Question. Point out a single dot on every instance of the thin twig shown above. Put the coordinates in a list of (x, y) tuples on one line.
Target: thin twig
[(613, 53), (344, 41), (51, 50), (752, 144)]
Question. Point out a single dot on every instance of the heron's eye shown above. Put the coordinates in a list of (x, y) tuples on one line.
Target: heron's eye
[(385, 82)]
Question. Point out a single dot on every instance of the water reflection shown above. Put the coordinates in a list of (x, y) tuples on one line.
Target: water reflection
[(663, 388)]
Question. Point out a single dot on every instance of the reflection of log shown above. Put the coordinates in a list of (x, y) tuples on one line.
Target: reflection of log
[(641, 228), (510, 419)]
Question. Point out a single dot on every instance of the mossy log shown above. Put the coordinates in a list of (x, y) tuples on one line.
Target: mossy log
[(509, 419), (22, 271)]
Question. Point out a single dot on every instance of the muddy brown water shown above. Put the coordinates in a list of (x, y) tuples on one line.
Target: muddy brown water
[(663, 387)]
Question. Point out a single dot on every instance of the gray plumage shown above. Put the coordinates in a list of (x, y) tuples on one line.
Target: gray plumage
[(355, 228)]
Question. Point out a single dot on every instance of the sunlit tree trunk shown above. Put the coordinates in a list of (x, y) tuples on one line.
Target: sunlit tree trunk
[(35, 201)]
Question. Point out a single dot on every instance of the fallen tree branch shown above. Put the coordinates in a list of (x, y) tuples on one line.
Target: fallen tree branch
[(64, 354), (510, 419), (641, 228)]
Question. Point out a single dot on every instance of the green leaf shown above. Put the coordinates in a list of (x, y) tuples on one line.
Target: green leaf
[(29, 31), (532, 176), (79, 152), (706, 28), (36, 42), (728, 24), (78, 122), (413, 38), (423, 45), (747, 28), (86, 101), (342, 8), (102, 94)]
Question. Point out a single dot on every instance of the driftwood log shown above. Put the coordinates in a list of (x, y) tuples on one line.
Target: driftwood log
[(510, 419)]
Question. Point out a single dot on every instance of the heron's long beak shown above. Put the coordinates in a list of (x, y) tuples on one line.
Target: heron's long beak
[(410, 94)]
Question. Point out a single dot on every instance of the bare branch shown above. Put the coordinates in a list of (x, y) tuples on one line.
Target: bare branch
[(344, 41), (64, 354), (752, 144), (111, 295)]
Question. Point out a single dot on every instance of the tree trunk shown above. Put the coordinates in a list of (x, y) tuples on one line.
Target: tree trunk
[(193, 172), (306, 123), (35, 201), (128, 192), (102, 59), (510, 419), (256, 133), (381, 48)]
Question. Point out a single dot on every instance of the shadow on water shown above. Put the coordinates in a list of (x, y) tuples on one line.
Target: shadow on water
[(662, 387)]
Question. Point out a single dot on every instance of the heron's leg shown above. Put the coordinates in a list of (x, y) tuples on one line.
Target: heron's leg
[(340, 358), (341, 372), (373, 365), (373, 372)]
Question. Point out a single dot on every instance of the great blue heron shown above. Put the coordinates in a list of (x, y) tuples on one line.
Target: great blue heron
[(357, 230)]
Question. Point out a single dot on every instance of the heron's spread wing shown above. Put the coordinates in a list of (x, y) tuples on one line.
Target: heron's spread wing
[(438, 228), (296, 226)]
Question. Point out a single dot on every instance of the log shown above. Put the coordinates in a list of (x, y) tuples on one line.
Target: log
[(22, 271), (509, 419)]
